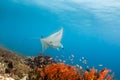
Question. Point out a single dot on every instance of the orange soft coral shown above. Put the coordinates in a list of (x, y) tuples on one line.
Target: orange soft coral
[(94, 75), (62, 71), (103, 73), (89, 75)]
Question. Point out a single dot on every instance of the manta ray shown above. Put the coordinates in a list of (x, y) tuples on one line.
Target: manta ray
[(54, 41)]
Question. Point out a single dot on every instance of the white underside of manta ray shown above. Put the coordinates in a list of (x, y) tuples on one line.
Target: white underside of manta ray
[(54, 40)]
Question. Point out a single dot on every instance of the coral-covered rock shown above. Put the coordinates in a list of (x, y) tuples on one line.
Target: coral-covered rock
[(13, 64), (39, 61)]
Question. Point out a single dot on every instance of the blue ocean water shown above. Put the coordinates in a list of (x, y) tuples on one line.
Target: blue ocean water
[(91, 29)]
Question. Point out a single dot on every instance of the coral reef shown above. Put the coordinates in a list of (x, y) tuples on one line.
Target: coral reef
[(17, 67), (61, 71)]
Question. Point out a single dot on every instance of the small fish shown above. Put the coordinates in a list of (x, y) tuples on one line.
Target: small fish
[(72, 56), (87, 66), (100, 65), (80, 59), (60, 60), (84, 62), (50, 58), (80, 67), (77, 65), (64, 61), (83, 58)]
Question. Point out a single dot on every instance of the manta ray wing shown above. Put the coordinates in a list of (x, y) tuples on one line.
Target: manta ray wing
[(56, 37)]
